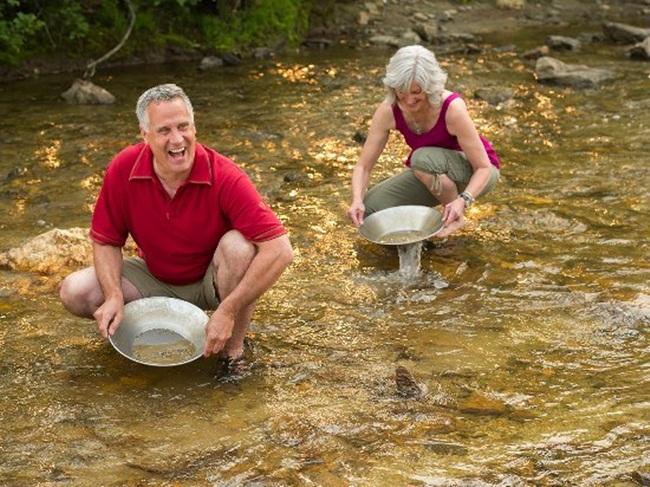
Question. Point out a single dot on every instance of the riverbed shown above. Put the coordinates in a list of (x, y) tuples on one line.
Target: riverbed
[(532, 322)]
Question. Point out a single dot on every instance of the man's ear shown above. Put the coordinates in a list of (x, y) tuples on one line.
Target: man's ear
[(143, 134)]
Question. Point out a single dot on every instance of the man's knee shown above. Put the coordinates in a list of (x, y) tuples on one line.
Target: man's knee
[(234, 251), (80, 293)]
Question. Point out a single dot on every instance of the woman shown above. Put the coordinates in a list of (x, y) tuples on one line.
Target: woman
[(449, 163)]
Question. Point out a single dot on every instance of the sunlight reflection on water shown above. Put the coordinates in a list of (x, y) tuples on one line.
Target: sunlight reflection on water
[(533, 319)]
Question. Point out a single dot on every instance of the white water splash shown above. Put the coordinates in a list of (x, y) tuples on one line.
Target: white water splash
[(409, 259)]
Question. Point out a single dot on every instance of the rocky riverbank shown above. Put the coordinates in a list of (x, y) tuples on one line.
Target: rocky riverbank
[(449, 27)]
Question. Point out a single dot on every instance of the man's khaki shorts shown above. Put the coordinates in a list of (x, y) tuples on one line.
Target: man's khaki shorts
[(200, 293)]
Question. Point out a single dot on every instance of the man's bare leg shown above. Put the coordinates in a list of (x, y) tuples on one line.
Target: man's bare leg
[(445, 191), (231, 260), (81, 293)]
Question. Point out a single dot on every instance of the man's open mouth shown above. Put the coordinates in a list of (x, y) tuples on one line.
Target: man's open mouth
[(177, 153)]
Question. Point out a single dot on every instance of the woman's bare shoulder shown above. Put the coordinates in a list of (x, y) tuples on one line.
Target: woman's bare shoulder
[(384, 115)]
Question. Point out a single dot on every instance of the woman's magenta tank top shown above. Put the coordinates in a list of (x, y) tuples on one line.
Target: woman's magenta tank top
[(438, 136)]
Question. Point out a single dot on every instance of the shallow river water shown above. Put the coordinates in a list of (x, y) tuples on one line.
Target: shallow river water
[(529, 330)]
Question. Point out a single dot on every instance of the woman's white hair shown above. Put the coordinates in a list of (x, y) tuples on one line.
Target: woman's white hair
[(166, 92), (415, 63)]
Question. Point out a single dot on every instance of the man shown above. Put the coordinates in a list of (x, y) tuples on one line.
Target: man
[(203, 232)]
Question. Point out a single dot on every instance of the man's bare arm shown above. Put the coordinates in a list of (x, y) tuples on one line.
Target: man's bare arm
[(108, 267), (273, 256)]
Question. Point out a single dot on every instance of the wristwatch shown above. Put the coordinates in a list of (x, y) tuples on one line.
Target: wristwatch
[(467, 198)]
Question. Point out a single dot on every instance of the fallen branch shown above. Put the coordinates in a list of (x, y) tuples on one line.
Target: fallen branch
[(90, 68)]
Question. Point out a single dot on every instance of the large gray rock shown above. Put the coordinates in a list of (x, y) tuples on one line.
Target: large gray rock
[(210, 62), (640, 50), (494, 95), (56, 251), (387, 40), (511, 4), (554, 71), (84, 92), (51, 252), (410, 37), (629, 34), (560, 43), (427, 30), (536, 53)]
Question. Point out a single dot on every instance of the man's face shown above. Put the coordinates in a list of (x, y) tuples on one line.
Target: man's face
[(172, 138)]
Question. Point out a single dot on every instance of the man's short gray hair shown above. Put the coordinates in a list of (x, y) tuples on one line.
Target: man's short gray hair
[(415, 63), (157, 94)]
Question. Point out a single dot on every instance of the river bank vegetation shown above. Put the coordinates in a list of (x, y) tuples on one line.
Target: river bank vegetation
[(71, 29)]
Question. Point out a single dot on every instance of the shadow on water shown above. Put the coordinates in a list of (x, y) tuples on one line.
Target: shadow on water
[(528, 330)]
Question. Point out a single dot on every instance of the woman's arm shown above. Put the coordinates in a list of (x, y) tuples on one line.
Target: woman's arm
[(380, 126), (460, 124)]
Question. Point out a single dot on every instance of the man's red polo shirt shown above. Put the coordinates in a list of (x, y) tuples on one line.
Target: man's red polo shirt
[(177, 236)]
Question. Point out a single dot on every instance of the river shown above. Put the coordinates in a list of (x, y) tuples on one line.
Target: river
[(532, 323)]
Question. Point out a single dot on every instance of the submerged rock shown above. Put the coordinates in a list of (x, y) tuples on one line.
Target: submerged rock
[(51, 252), (387, 40), (478, 403), (640, 51), (210, 62), (406, 385), (618, 32), (551, 70), (84, 92), (511, 4), (536, 53), (494, 95), (560, 43)]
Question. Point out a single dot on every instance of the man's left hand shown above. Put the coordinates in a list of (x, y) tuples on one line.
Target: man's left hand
[(218, 331)]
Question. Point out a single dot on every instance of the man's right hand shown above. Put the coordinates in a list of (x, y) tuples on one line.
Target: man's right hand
[(356, 212), (109, 316)]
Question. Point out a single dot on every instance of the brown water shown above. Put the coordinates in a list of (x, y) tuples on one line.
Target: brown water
[(533, 324), (160, 346), (402, 236)]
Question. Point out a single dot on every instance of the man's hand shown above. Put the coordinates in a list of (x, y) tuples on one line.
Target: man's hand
[(355, 212), (218, 331), (109, 316)]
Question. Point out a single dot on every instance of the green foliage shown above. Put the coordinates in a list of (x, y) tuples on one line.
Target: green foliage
[(263, 21), (86, 29), (16, 34)]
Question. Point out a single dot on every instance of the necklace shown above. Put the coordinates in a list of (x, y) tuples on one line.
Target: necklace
[(415, 126)]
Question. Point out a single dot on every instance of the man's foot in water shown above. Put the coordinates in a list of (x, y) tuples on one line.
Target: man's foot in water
[(232, 370), (231, 365)]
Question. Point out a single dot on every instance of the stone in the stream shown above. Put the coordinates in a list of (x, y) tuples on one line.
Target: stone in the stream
[(494, 95), (478, 403), (551, 70), (560, 43), (640, 51), (629, 34), (511, 4), (51, 252), (536, 53), (406, 385), (210, 62), (84, 92)]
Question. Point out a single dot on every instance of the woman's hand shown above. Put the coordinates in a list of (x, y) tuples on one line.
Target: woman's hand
[(452, 217), (356, 212)]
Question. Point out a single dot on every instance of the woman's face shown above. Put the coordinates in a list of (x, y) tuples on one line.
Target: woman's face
[(413, 99)]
